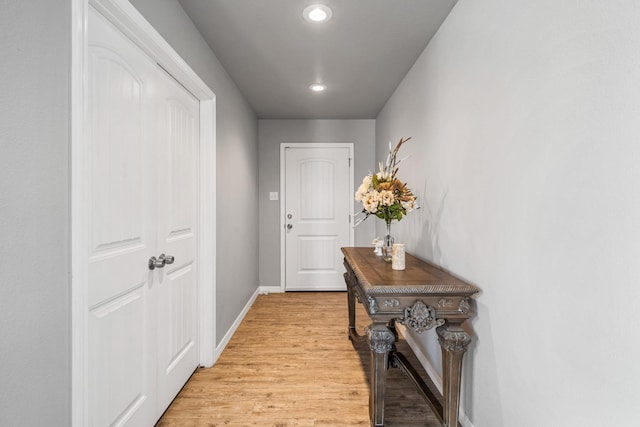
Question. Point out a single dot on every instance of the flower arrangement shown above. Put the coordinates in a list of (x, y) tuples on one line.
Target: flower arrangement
[(382, 194)]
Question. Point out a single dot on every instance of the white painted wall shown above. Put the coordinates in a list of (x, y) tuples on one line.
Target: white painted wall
[(274, 132), (526, 124), (35, 286), (237, 162)]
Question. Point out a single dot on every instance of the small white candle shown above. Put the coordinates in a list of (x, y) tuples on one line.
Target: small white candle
[(397, 256)]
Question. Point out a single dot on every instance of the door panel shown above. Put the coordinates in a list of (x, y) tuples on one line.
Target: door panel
[(122, 389), (119, 222), (118, 144), (121, 380), (318, 200), (177, 230)]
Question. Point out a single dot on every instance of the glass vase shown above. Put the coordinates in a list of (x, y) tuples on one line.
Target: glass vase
[(387, 244)]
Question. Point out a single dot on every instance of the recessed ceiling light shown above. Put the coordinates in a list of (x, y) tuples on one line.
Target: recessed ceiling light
[(317, 13), (317, 87)]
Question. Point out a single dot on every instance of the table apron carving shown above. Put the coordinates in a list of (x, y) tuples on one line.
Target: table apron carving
[(420, 317)]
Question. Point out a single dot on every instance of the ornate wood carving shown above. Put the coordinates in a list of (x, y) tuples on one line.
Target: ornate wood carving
[(380, 340), (421, 317), (464, 306), (455, 341), (373, 305), (445, 302), (391, 302)]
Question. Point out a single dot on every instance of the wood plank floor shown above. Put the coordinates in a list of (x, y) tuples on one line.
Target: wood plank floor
[(289, 364)]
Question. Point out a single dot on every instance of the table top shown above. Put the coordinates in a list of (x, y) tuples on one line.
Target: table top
[(419, 277)]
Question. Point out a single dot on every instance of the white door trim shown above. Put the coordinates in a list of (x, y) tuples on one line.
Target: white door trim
[(128, 20), (283, 235)]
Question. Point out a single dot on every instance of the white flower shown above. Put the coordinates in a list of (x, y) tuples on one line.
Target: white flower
[(371, 201), (364, 188), (386, 198), (408, 205)]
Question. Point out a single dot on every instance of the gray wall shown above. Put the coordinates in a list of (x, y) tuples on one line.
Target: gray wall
[(35, 316), (271, 134), (526, 149), (237, 162)]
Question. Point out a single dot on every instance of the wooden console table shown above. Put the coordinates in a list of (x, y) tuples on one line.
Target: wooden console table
[(421, 297)]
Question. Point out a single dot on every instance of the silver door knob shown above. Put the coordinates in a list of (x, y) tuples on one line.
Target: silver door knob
[(166, 259), (289, 226), (155, 263)]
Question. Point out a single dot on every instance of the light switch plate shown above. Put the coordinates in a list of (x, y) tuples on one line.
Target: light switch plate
[(273, 195)]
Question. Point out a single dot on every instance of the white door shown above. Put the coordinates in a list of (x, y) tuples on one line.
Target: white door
[(318, 205), (177, 192), (121, 379), (142, 186)]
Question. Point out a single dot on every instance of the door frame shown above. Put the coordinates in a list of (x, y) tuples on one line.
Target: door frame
[(283, 194), (128, 20)]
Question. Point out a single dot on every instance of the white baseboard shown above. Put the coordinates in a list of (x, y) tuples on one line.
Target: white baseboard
[(234, 327), (466, 422), (266, 290), (434, 375)]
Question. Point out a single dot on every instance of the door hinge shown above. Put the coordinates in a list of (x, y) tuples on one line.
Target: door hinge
[(349, 161), (349, 219)]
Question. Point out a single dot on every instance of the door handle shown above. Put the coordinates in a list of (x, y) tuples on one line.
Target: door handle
[(166, 259), (155, 263), (161, 261), (289, 226)]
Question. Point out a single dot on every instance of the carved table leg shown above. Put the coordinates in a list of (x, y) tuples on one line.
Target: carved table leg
[(454, 342), (353, 333), (381, 341)]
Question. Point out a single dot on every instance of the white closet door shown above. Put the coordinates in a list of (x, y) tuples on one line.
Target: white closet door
[(121, 220), (177, 221), (144, 142)]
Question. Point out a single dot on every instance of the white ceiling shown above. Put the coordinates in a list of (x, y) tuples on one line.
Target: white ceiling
[(361, 54)]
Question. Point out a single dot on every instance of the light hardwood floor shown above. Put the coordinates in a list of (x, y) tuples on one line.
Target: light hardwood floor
[(290, 364)]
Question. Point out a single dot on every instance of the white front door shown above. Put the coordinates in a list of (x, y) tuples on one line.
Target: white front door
[(142, 184), (317, 208)]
